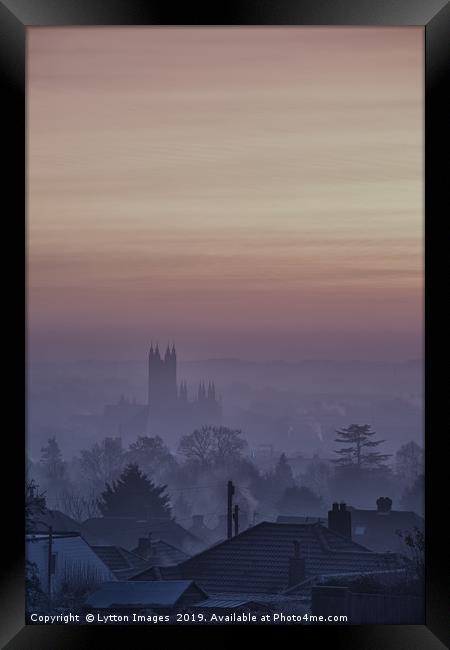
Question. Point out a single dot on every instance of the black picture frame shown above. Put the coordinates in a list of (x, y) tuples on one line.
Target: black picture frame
[(434, 15)]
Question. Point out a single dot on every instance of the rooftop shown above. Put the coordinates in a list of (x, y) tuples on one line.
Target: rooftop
[(125, 532), (378, 530), (163, 554), (141, 594), (232, 601), (122, 562), (257, 560), (57, 520)]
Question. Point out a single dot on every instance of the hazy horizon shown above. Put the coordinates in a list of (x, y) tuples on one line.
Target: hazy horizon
[(206, 359)]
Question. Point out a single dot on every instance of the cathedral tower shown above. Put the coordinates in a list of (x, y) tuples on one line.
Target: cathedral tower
[(162, 378)]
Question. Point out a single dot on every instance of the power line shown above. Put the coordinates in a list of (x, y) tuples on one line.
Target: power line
[(196, 487)]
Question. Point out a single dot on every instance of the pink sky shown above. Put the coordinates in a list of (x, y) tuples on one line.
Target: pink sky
[(247, 192)]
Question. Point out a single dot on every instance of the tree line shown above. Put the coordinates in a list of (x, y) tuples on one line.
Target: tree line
[(191, 482)]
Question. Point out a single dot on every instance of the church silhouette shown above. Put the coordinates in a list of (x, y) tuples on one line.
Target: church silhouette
[(169, 409)]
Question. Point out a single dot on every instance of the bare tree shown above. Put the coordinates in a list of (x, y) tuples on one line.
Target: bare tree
[(198, 446), (409, 462), (103, 462), (152, 456), (228, 444), (212, 445), (77, 505), (35, 505), (317, 476), (77, 582), (415, 545)]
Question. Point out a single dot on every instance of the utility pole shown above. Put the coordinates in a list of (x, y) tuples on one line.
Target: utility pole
[(50, 563), (230, 492), (236, 519)]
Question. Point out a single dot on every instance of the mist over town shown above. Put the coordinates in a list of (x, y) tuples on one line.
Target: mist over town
[(225, 324)]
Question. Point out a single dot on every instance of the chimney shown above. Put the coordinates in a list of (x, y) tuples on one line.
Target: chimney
[(144, 548), (198, 521), (384, 504), (340, 520), (297, 570)]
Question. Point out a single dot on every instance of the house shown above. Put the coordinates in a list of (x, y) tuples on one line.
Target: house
[(377, 529), (158, 552), (121, 562), (161, 596), (56, 519), (302, 591), (69, 557), (201, 531), (224, 604), (270, 557), (124, 531), (148, 553)]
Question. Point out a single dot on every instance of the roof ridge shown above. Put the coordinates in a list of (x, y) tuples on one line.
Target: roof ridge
[(224, 541), (273, 524)]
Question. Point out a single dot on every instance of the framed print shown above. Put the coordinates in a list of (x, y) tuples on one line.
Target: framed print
[(229, 411)]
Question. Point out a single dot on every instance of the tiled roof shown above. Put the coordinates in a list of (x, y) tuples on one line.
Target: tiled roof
[(378, 530), (257, 560), (119, 559), (231, 601), (303, 589), (58, 520), (163, 554), (140, 594), (125, 532)]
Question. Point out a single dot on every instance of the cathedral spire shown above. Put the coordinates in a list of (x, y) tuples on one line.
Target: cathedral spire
[(201, 391), (183, 391), (211, 392)]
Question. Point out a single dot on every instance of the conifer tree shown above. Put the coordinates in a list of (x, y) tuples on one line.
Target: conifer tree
[(357, 453), (283, 473), (135, 495), (52, 461)]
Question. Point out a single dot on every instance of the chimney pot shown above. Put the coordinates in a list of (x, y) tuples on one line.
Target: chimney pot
[(198, 521), (340, 520), (384, 504), (145, 545)]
